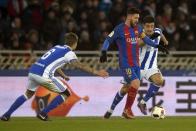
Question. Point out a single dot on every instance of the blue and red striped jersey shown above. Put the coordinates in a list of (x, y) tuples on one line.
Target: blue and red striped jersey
[(127, 40)]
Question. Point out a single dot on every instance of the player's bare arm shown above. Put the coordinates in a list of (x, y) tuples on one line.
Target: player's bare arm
[(163, 38), (62, 74), (79, 65)]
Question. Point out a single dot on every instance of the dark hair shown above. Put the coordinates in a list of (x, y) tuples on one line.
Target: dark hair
[(70, 38), (133, 10), (148, 19)]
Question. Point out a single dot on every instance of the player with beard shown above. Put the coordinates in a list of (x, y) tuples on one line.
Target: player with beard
[(127, 35)]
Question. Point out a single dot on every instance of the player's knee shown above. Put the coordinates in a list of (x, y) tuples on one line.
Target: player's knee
[(135, 84), (124, 90), (160, 82), (29, 94)]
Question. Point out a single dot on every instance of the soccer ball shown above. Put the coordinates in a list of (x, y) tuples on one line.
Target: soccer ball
[(158, 112)]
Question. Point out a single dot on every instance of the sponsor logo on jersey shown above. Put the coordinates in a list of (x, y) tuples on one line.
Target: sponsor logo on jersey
[(132, 40), (128, 72)]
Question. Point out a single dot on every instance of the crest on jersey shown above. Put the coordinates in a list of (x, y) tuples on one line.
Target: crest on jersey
[(111, 34), (128, 72), (136, 32), (128, 39)]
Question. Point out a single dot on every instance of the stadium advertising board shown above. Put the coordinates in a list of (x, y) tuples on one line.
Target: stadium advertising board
[(92, 96)]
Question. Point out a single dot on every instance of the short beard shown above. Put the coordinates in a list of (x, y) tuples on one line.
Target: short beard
[(132, 25)]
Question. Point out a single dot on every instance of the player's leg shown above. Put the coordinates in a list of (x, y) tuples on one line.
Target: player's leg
[(157, 81), (127, 74), (132, 92), (120, 94), (134, 77), (32, 85), (64, 93), (118, 97)]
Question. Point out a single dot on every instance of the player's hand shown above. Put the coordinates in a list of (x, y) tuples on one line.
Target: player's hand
[(163, 49), (166, 43), (154, 35), (103, 57), (102, 73), (163, 43)]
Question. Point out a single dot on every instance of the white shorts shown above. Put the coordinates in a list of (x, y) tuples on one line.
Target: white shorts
[(54, 84), (146, 74)]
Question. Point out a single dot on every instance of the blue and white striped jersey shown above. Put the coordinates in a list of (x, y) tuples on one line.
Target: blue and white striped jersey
[(148, 54), (55, 58)]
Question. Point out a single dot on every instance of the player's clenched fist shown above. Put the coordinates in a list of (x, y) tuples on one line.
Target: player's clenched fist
[(103, 57)]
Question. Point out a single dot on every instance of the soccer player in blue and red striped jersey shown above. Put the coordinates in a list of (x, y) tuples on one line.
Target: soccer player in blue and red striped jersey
[(127, 35)]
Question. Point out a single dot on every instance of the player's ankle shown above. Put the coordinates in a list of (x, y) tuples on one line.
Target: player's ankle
[(110, 110)]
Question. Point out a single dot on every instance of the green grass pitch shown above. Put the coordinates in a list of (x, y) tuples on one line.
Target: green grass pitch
[(99, 124)]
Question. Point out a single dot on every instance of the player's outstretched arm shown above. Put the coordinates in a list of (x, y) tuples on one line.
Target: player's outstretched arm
[(103, 57), (62, 74), (110, 39), (79, 65)]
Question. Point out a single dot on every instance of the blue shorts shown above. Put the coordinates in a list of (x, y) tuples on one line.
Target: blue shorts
[(130, 74)]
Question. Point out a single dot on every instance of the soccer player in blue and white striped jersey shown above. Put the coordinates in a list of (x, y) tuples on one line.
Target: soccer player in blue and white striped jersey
[(42, 73)]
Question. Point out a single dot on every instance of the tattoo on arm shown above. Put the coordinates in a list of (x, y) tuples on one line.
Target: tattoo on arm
[(79, 65), (61, 73)]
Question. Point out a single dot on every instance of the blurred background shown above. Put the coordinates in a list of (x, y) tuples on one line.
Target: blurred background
[(40, 24)]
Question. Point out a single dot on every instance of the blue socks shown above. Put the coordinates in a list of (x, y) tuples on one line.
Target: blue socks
[(19, 101), (116, 100), (55, 102), (151, 92)]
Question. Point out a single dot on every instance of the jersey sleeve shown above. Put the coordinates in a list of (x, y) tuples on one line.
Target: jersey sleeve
[(70, 56), (158, 30), (110, 39), (113, 35), (140, 29)]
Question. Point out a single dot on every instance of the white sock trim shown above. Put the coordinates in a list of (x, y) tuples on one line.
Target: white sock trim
[(25, 96), (110, 110), (63, 97), (120, 94)]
